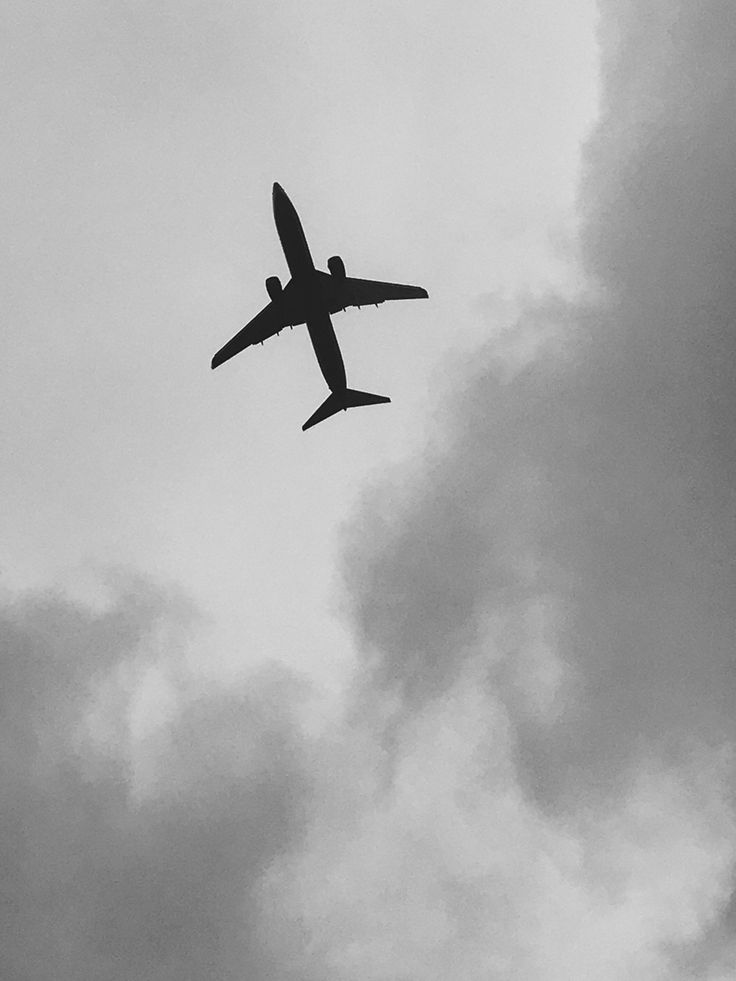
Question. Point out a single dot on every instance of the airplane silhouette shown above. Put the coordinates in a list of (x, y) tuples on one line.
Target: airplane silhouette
[(309, 298)]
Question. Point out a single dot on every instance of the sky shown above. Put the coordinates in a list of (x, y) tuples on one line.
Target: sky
[(441, 688), (144, 141)]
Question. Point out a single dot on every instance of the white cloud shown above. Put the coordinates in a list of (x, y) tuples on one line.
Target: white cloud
[(450, 868)]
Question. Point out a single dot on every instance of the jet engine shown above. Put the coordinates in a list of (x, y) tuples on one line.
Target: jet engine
[(273, 287), (336, 267)]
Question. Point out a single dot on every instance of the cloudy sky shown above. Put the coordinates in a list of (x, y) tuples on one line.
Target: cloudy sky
[(442, 688)]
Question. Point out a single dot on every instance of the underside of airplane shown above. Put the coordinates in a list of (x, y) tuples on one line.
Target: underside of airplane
[(310, 297)]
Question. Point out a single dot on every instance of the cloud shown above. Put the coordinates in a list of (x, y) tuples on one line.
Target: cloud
[(533, 775), (454, 870), (557, 575), (596, 483), (131, 841)]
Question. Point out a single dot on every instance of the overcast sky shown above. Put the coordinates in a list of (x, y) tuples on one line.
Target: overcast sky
[(440, 688), (144, 141)]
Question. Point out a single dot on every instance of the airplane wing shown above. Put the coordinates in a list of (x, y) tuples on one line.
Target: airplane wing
[(364, 292), (265, 324)]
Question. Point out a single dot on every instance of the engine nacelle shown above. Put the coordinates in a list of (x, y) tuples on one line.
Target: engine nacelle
[(336, 267), (273, 287)]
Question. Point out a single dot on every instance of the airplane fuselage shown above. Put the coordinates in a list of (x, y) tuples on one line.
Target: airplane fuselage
[(291, 234), (307, 281)]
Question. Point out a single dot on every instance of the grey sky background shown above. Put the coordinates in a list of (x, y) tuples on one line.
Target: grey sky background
[(142, 144), (447, 689)]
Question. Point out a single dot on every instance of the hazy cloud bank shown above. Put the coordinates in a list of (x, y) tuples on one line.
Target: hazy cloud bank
[(139, 807), (534, 777), (562, 574)]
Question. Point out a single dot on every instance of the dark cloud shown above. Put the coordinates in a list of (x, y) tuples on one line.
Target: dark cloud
[(135, 855), (600, 476), (549, 602), (571, 538)]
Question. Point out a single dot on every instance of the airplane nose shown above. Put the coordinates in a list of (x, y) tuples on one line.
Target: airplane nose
[(277, 189)]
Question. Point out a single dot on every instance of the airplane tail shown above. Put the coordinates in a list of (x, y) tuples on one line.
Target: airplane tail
[(337, 401)]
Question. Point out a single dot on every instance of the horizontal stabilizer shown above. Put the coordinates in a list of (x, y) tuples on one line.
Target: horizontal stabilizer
[(355, 398), (337, 401)]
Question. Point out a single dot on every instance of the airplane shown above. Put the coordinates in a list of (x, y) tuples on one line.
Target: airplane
[(310, 297)]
